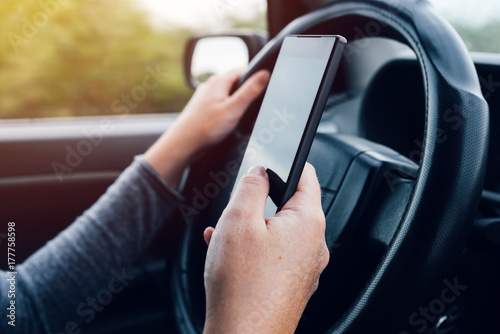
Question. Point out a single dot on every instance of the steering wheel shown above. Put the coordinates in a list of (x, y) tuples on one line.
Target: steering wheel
[(395, 229)]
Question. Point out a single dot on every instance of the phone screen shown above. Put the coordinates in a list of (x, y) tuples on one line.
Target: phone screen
[(285, 109)]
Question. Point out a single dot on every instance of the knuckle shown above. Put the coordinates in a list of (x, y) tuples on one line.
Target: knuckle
[(319, 215), (252, 180), (302, 212), (314, 286), (238, 213), (238, 228), (319, 219), (325, 257), (233, 213)]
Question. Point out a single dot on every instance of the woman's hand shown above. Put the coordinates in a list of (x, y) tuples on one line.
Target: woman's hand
[(260, 273), (210, 115)]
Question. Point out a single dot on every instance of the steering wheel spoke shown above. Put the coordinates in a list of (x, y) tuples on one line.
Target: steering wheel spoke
[(352, 174)]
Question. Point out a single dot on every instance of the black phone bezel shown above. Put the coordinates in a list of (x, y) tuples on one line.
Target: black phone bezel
[(314, 116)]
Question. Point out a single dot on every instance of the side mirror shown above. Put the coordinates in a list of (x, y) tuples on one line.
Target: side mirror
[(206, 55)]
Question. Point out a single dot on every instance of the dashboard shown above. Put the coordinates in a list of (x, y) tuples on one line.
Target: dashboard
[(390, 108)]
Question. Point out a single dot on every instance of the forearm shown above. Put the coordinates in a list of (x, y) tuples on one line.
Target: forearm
[(98, 247)]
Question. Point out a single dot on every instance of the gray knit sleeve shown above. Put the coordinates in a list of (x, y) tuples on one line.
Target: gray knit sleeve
[(91, 254)]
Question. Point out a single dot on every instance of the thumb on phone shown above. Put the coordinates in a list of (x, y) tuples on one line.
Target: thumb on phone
[(249, 198)]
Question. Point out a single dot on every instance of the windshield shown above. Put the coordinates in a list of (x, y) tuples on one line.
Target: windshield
[(477, 22)]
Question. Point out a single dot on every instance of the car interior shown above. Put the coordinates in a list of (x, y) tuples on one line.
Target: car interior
[(407, 155)]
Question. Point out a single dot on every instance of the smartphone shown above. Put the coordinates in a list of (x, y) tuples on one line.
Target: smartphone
[(290, 113)]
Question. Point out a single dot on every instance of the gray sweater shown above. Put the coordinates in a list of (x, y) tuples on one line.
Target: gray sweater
[(89, 258)]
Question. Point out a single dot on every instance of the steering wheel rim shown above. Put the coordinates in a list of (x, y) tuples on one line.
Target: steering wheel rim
[(439, 214)]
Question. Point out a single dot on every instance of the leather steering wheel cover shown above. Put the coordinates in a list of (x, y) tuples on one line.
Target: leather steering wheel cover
[(439, 215)]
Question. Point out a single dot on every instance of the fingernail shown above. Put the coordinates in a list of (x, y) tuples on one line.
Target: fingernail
[(263, 78), (257, 170)]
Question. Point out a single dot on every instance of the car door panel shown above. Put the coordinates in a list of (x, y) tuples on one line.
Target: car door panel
[(43, 191)]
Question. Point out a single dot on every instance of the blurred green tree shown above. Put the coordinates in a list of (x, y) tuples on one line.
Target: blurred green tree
[(71, 58), (484, 38)]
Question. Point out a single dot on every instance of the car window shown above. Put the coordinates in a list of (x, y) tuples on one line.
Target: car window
[(87, 57)]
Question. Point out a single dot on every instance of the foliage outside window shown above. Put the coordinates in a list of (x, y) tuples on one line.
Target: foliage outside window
[(87, 57)]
